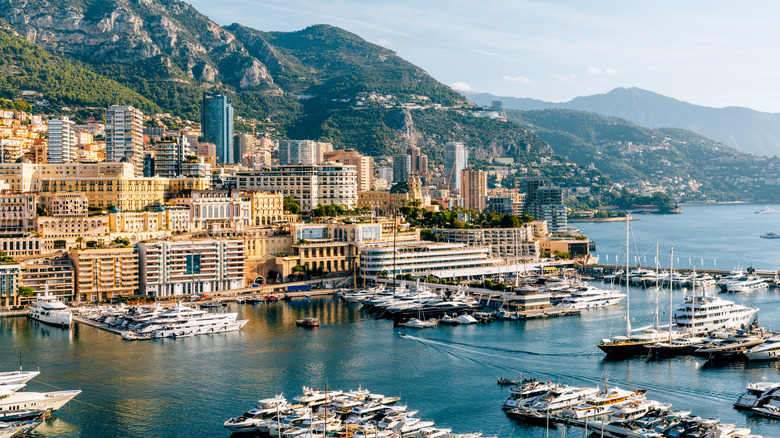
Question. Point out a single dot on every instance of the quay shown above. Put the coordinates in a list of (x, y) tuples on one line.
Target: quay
[(598, 271)]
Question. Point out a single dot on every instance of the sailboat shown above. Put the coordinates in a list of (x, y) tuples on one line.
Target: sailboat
[(635, 341)]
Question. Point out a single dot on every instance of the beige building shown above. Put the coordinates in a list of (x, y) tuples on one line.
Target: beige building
[(22, 246), (66, 204), (264, 246), (9, 285), (54, 273), (363, 164), (267, 208), (309, 185), (17, 212), (474, 189), (105, 274), (386, 201), (217, 210)]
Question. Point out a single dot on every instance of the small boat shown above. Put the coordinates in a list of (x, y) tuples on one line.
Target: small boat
[(769, 350), (419, 323), (210, 305), (308, 322), (770, 235), (767, 210), (466, 319), (448, 320), (271, 298), (756, 394), (768, 411), (504, 381)]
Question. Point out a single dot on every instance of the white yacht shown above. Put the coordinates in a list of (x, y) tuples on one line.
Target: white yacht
[(34, 401), (746, 283), (769, 350), (704, 313), (47, 308), (183, 321), (723, 281), (526, 392), (562, 397), (15, 377), (755, 393), (590, 297), (599, 405)]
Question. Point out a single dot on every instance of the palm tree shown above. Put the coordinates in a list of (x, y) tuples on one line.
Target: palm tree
[(80, 239)]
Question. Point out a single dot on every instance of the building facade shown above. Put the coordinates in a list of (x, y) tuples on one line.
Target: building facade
[(17, 212), (62, 141), (309, 185), (125, 137), (52, 273), (9, 285), (474, 189), (456, 158), (171, 268), (422, 258), (104, 274), (217, 125), (217, 210), (402, 167), (363, 164), (303, 151)]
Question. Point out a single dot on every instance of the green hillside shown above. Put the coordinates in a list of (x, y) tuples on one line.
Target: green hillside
[(25, 66)]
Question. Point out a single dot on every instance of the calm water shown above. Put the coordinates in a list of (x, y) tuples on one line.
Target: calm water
[(710, 236), (189, 387)]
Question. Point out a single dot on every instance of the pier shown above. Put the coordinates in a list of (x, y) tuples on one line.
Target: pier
[(599, 271)]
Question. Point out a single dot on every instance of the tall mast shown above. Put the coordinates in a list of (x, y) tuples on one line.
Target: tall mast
[(693, 302), (671, 283), (628, 297), (657, 290)]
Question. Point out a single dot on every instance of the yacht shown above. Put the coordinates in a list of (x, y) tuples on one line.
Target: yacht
[(38, 401), (590, 297), (771, 235), (756, 394), (419, 323), (746, 283), (14, 377), (182, 321), (729, 347), (598, 406), (704, 313), (47, 308), (636, 343), (526, 392), (723, 281), (562, 397), (676, 347), (769, 350)]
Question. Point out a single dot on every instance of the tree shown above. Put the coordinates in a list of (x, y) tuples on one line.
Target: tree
[(26, 291), (80, 240), (291, 206)]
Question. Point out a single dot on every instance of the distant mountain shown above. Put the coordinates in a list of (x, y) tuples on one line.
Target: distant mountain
[(745, 129), (693, 167)]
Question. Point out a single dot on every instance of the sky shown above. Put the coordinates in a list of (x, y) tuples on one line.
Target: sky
[(714, 53)]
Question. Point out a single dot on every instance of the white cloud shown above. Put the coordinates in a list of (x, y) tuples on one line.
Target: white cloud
[(521, 79), (593, 71), (462, 86)]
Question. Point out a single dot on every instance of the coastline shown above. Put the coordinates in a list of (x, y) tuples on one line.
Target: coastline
[(601, 219)]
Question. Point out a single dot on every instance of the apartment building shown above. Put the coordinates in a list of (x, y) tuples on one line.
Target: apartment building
[(105, 274), (170, 268), (217, 210)]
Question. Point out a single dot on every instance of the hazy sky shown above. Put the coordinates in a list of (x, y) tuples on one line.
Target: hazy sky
[(714, 53)]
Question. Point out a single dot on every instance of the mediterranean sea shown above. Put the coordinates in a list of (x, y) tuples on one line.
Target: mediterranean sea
[(188, 387)]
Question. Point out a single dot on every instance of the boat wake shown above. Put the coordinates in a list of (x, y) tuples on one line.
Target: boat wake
[(541, 368)]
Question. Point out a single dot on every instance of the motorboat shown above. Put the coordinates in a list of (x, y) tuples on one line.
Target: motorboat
[(17, 428), (703, 313), (769, 350), (729, 347), (448, 320), (48, 309), (723, 281), (466, 319), (746, 283), (13, 377), (526, 392), (591, 297), (770, 235), (767, 210), (562, 397), (636, 408), (419, 323), (598, 405), (636, 343), (308, 322), (756, 394), (182, 321)]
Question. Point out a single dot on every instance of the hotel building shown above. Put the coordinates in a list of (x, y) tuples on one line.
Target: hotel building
[(422, 258)]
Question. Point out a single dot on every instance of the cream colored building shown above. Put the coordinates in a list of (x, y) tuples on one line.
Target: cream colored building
[(54, 273), (363, 164), (217, 210), (66, 204), (105, 274), (17, 212), (474, 189), (267, 208)]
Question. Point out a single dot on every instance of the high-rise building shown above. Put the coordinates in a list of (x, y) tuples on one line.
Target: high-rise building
[(303, 151), (217, 125), (169, 155), (244, 144), (62, 141), (363, 164), (546, 202), (456, 158), (402, 167), (419, 160), (474, 189), (124, 136)]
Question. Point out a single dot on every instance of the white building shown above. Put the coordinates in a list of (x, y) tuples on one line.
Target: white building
[(303, 151), (217, 210), (125, 137), (191, 267), (62, 141), (309, 185), (506, 243), (422, 258)]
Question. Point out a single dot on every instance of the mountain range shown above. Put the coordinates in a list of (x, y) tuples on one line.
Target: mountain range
[(748, 130)]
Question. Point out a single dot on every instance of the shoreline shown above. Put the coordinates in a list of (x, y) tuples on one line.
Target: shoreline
[(601, 219)]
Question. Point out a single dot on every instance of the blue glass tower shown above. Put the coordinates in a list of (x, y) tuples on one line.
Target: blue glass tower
[(217, 126)]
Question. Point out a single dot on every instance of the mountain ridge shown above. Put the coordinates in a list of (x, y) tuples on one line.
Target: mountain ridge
[(746, 129)]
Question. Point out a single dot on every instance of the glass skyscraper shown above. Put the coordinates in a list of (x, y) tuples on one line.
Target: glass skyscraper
[(217, 125), (456, 158)]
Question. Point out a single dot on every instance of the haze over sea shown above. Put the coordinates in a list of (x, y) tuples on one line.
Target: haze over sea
[(188, 387)]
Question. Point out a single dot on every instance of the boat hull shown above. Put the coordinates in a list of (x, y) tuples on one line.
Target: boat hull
[(624, 350)]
